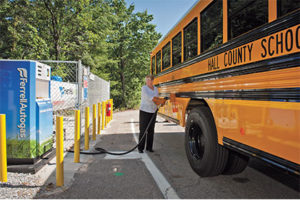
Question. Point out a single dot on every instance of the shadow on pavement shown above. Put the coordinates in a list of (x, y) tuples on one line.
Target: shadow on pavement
[(129, 178), (290, 180)]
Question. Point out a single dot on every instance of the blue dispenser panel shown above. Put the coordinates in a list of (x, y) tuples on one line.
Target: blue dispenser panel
[(44, 125), (17, 101)]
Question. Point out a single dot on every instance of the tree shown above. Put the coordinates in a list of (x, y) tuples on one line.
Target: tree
[(19, 36), (105, 34), (133, 39)]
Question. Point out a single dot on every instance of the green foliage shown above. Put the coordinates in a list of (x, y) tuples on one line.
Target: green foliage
[(133, 38), (106, 35), (19, 36)]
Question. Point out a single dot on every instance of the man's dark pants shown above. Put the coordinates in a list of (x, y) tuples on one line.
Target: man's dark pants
[(145, 118)]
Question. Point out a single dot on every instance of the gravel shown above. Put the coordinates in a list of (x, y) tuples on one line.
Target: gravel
[(25, 186), (20, 186)]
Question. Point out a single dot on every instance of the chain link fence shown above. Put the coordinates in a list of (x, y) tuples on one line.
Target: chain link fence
[(98, 89), (72, 88)]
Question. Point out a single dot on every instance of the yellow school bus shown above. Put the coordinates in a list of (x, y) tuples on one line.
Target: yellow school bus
[(232, 67)]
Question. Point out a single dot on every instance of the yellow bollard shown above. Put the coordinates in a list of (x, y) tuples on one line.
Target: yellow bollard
[(87, 129), (99, 118), (108, 118), (112, 108), (77, 137), (110, 111), (59, 152), (3, 158), (103, 114), (94, 122), (111, 103)]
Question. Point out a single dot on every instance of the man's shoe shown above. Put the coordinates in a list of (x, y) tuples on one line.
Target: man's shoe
[(141, 151), (150, 150)]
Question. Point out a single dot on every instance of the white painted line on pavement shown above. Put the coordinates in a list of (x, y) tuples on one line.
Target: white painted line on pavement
[(164, 186)]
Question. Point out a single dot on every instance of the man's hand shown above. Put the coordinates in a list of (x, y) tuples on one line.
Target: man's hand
[(159, 101), (163, 102)]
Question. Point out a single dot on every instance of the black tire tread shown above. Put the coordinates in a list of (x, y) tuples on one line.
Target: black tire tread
[(221, 154), (236, 163)]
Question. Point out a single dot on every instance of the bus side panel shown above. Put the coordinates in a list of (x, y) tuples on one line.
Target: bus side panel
[(182, 104), (272, 127), (176, 110)]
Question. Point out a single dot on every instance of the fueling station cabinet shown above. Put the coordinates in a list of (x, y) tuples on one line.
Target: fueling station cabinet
[(25, 99)]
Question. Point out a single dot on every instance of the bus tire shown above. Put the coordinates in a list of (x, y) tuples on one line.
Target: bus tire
[(206, 157), (236, 163)]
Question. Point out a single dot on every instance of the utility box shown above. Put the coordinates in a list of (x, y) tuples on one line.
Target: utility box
[(25, 99)]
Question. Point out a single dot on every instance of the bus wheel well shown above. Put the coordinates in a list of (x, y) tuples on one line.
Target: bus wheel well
[(196, 103)]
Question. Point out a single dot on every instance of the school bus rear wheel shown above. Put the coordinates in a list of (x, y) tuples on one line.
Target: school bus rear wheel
[(236, 163), (205, 155)]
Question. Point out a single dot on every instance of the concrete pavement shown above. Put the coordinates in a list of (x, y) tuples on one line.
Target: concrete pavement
[(106, 176), (163, 174)]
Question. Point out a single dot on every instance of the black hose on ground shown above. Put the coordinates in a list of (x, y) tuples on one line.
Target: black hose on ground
[(104, 151)]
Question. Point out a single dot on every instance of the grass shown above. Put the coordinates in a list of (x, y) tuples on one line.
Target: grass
[(27, 148)]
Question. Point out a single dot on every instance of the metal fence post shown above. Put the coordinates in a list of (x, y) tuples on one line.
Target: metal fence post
[(80, 91)]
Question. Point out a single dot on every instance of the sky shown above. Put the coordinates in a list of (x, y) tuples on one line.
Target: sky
[(166, 13)]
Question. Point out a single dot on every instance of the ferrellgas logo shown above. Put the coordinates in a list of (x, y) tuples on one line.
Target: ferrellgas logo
[(65, 91), (23, 102), (23, 72)]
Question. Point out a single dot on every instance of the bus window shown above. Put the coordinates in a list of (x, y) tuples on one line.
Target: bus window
[(153, 65), (176, 49), (158, 62), (190, 40), (211, 26), (286, 6), (244, 16), (166, 56)]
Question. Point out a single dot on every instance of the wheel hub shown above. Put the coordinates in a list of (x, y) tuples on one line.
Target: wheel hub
[(196, 141)]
